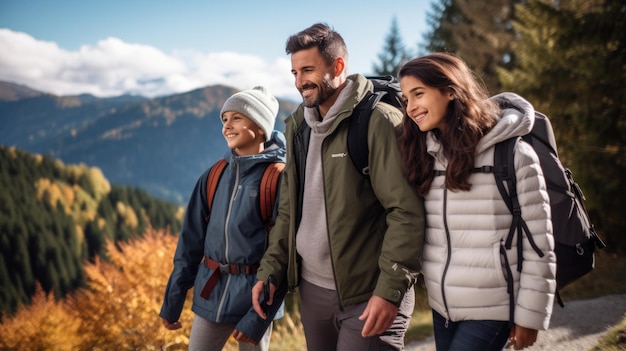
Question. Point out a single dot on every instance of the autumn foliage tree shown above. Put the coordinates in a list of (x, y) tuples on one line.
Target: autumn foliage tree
[(44, 324), (118, 310)]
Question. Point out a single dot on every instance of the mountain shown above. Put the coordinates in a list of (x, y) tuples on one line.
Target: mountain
[(161, 145), (12, 92)]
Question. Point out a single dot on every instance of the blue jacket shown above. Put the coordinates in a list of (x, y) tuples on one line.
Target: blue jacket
[(235, 234)]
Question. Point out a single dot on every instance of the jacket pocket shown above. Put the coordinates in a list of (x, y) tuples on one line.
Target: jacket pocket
[(502, 264)]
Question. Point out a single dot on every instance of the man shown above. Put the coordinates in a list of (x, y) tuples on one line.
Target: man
[(351, 243)]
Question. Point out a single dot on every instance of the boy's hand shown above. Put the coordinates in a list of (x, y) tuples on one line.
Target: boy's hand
[(172, 325), (241, 337)]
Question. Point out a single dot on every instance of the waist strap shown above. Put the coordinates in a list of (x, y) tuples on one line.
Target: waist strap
[(218, 269)]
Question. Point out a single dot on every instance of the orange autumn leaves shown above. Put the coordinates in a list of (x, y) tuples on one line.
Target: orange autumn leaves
[(118, 309)]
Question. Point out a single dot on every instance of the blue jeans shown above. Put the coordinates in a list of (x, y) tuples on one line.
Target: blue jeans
[(481, 335)]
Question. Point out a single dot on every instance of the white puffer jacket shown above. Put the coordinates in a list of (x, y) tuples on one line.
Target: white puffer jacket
[(462, 262)]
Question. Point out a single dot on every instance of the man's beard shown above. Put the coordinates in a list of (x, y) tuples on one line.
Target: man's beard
[(325, 91)]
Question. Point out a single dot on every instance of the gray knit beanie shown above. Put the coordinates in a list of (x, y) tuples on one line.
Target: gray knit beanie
[(257, 104)]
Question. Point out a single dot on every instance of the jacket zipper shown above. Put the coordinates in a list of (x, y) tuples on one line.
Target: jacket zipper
[(226, 248), (449, 253)]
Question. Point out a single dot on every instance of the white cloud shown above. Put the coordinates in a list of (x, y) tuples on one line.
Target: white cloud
[(113, 67)]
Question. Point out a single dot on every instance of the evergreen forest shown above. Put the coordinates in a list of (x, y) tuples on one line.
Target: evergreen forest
[(54, 218)]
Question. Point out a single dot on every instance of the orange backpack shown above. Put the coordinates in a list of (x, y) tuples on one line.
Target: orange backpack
[(267, 189)]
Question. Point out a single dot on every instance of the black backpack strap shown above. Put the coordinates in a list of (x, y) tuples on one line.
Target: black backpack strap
[(504, 173), (358, 130), (301, 139), (577, 193)]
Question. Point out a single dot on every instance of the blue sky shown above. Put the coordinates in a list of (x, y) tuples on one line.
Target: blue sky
[(158, 47)]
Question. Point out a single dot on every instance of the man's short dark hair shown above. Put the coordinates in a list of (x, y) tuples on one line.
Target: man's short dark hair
[(320, 35)]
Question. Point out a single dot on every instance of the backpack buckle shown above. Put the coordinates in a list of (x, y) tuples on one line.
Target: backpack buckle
[(230, 268)]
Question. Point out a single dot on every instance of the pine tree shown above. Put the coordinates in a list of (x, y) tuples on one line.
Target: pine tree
[(485, 40), (394, 53), (571, 67), (95, 240), (442, 17), (480, 32)]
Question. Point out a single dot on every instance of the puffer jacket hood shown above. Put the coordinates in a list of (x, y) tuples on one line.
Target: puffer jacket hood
[(516, 119)]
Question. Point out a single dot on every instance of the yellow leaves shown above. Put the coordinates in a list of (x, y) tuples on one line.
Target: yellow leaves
[(44, 325), (132, 282), (127, 214), (101, 223), (44, 187), (100, 184), (118, 310), (38, 158), (180, 213), (57, 191), (90, 176), (68, 195)]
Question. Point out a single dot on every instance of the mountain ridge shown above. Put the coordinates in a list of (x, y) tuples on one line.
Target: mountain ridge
[(160, 144)]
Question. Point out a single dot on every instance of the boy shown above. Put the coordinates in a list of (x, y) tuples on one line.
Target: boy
[(219, 250)]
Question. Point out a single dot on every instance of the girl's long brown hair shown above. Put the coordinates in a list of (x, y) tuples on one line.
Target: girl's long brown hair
[(468, 118)]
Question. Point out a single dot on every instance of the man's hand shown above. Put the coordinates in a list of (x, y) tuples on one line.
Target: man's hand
[(379, 314), (172, 325), (257, 289), (241, 337), (521, 337)]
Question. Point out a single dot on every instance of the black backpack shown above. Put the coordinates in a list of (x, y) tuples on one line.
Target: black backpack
[(386, 89), (574, 234)]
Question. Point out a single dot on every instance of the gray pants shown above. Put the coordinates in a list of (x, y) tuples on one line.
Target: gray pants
[(327, 327), (210, 336)]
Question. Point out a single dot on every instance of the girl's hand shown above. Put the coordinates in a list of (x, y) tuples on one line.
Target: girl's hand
[(522, 337)]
